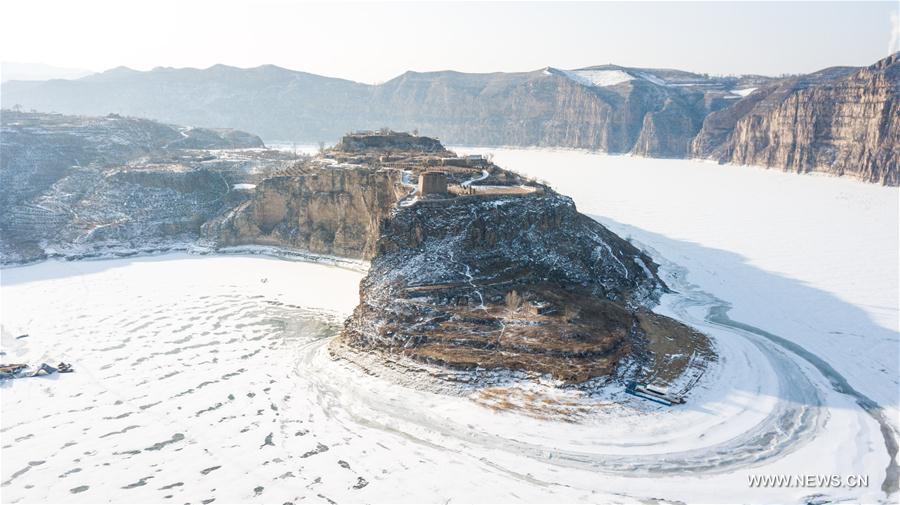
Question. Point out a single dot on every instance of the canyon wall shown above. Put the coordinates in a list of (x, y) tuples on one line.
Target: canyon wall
[(333, 211), (841, 122)]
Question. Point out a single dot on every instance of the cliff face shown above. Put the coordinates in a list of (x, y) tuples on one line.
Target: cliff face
[(504, 276), (72, 185), (604, 107), (39, 149), (838, 121), (667, 132), (521, 282), (333, 211)]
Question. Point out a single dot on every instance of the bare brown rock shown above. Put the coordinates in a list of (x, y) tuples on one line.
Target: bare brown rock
[(840, 121), (333, 211)]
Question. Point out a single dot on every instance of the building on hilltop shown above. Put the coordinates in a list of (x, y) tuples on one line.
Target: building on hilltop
[(432, 182), (469, 161), (388, 140)]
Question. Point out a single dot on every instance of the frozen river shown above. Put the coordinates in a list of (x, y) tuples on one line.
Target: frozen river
[(202, 378)]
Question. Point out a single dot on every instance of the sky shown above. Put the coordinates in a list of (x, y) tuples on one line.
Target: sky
[(375, 41)]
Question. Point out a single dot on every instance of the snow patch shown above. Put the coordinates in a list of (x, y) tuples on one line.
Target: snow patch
[(742, 92), (652, 78), (599, 78)]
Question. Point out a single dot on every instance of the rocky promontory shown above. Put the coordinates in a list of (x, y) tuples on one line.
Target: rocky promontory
[(472, 267), (481, 269)]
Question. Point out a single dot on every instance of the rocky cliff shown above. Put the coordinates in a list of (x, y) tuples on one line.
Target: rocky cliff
[(841, 121), (603, 107), (517, 282), (333, 211), (73, 185), (489, 271)]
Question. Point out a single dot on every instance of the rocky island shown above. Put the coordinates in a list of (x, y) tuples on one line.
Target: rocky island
[(472, 268)]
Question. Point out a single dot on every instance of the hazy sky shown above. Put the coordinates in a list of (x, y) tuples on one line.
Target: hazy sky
[(373, 42)]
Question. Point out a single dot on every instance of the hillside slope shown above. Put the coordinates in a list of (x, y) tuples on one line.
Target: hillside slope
[(841, 121)]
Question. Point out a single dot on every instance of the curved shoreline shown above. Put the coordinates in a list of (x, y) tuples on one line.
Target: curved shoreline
[(354, 404), (717, 314), (202, 250), (792, 423)]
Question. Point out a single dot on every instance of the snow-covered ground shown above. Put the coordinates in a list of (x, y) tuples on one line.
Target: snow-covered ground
[(201, 377), (598, 77), (292, 147), (742, 92)]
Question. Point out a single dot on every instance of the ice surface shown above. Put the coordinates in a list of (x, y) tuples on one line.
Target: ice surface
[(814, 257), (208, 377)]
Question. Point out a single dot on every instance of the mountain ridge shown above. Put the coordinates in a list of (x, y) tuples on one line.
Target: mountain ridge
[(665, 113)]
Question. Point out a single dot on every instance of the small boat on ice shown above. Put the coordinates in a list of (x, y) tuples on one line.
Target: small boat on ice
[(654, 393)]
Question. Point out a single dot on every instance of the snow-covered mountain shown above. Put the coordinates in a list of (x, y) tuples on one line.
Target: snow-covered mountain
[(616, 109)]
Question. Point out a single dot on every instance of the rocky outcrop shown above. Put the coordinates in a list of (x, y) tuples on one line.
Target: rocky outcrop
[(507, 276), (333, 211), (839, 121), (75, 186), (519, 282), (667, 133), (386, 140), (717, 127)]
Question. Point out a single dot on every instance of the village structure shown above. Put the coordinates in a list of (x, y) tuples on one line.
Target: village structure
[(432, 172), (432, 182)]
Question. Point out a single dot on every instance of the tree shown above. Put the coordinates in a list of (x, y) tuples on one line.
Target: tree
[(416, 132), (321, 147), (513, 300)]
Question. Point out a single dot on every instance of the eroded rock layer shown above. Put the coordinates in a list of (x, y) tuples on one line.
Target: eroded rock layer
[(522, 282), (837, 120), (486, 270), (333, 211), (842, 121), (73, 186)]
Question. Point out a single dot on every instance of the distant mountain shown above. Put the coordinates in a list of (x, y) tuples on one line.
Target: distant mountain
[(16, 71), (269, 101), (596, 107), (649, 112)]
